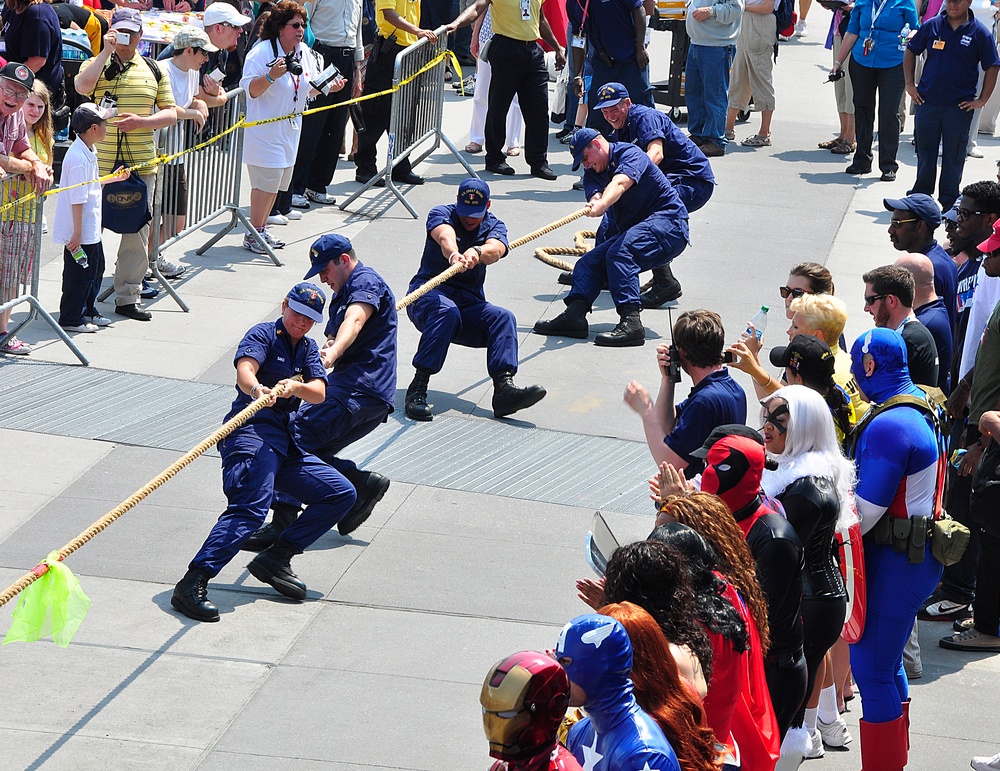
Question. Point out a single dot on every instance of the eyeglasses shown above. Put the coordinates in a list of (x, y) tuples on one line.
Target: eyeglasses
[(964, 214), (296, 25), (14, 93), (871, 299), (787, 291), (897, 223)]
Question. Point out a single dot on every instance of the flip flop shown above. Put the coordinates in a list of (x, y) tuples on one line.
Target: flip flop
[(829, 144)]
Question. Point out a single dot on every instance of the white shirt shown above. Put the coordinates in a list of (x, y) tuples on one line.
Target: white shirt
[(79, 165), (274, 145), (184, 85), (984, 301)]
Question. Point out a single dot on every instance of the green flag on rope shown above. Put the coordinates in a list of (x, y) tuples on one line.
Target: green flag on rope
[(53, 605)]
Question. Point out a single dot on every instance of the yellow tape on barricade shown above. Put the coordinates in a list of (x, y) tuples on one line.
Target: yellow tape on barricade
[(243, 123)]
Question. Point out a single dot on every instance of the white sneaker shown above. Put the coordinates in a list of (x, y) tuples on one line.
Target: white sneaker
[(277, 219), (834, 734), (293, 214), (253, 245), (815, 746), (101, 321), (299, 201), (320, 197), (272, 241), (801, 28), (987, 764), (85, 327), (169, 269)]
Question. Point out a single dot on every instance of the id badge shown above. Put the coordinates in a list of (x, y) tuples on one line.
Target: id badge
[(525, 10), (867, 46), (294, 123), (579, 41), (938, 45)]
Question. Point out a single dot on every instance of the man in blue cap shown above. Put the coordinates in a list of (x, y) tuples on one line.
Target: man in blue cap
[(360, 354), (644, 226), (464, 233), (260, 458), (681, 161)]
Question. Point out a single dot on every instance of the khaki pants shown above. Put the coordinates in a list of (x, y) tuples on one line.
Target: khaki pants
[(753, 63), (133, 257)]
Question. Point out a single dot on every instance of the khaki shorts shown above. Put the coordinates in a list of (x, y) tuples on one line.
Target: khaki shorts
[(270, 180)]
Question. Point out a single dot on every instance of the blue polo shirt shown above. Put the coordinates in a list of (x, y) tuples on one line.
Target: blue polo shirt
[(945, 278), (954, 56), (608, 25), (368, 366), (270, 345), (650, 194), (469, 283), (715, 401), (885, 27), (934, 316), (681, 156)]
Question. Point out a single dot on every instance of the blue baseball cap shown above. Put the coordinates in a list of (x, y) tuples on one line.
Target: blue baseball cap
[(610, 94), (921, 204), (473, 198), (579, 142), (307, 299), (952, 214), (324, 249)]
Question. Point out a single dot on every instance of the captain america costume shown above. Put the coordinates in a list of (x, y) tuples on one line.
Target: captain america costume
[(616, 735)]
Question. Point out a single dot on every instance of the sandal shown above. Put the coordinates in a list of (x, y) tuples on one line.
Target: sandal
[(830, 143), (513, 151), (844, 148), (731, 135), (473, 148), (757, 140)]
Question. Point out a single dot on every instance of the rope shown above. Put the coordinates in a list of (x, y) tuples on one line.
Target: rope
[(547, 254), (129, 503)]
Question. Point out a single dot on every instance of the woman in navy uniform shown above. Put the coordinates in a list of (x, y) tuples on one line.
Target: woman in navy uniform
[(260, 458)]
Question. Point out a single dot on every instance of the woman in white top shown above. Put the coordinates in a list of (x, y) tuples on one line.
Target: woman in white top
[(482, 33)]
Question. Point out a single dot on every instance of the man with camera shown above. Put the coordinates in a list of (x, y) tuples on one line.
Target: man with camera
[(716, 398), (145, 103)]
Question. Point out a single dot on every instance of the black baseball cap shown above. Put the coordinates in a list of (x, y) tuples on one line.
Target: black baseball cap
[(807, 356), (721, 432)]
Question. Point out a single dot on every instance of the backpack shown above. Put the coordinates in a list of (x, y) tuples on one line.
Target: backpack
[(784, 16)]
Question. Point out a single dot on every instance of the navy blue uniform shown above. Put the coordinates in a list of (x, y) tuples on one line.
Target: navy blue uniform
[(683, 164), (361, 388), (457, 311), (259, 458), (646, 228)]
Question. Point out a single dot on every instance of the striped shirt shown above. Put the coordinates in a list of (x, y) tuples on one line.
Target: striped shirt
[(137, 92)]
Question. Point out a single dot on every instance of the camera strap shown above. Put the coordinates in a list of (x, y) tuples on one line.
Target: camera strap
[(296, 79)]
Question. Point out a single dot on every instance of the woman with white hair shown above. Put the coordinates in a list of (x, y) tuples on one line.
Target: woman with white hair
[(815, 483)]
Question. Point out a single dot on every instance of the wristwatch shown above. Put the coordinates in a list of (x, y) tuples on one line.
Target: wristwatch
[(479, 251)]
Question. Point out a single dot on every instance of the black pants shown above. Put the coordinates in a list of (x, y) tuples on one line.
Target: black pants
[(80, 286), (786, 682), (986, 609), (376, 112), (959, 581), (518, 68), (323, 132), (888, 82), (822, 622)]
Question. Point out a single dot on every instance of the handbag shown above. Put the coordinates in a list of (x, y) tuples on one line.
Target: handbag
[(125, 207), (984, 503), (558, 111)]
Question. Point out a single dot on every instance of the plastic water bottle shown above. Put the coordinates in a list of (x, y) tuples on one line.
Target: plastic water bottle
[(758, 322), (904, 35), (81, 257)]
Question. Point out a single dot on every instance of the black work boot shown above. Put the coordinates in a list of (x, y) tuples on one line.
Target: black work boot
[(666, 288), (572, 322), (282, 517), (191, 596), (566, 278), (274, 567), (629, 331), (371, 488), (416, 397), (508, 398)]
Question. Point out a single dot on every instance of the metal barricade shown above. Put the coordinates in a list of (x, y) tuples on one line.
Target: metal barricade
[(20, 252), (417, 110), (205, 183)]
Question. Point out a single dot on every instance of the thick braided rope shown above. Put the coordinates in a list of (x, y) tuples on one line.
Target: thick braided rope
[(547, 254), (129, 503), (454, 270)]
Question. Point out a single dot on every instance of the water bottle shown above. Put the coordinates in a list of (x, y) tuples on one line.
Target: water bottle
[(80, 256), (904, 35), (758, 322)]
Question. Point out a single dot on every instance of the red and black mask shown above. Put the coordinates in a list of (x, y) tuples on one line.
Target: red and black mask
[(733, 469)]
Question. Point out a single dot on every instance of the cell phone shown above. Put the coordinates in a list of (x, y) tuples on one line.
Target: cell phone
[(123, 38), (728, 357), (217, 75)]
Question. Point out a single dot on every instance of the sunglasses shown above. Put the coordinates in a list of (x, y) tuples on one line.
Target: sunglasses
[(296, 25), (897, 223), (787, 291), (871, 299), (964, 214)]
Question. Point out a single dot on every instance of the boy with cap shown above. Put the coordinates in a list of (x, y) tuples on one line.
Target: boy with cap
[(261, 458), (77, 221), (464, 233), (360, 352)]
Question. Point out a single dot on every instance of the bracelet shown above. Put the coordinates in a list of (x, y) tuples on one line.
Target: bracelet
[(453, 254), (268, 76), (252, 390), (765, 384)]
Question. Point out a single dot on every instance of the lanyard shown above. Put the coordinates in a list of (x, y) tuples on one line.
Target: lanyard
[(875, 16)]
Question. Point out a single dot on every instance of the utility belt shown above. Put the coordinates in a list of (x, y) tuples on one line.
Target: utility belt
[(384, 46), (905, 536)]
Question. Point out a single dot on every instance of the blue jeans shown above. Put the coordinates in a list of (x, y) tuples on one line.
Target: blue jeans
[(706, 91), (80, 286), (947, 128)]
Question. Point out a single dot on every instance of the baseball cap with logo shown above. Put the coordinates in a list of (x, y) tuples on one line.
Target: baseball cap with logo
[(324, 249), (610, 94), (221, 12), (307, 299), (920, 204), (18, 73), (807, 356), (126, 20), (581, 138), (473, 197), (192, 37), (89, 114)]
